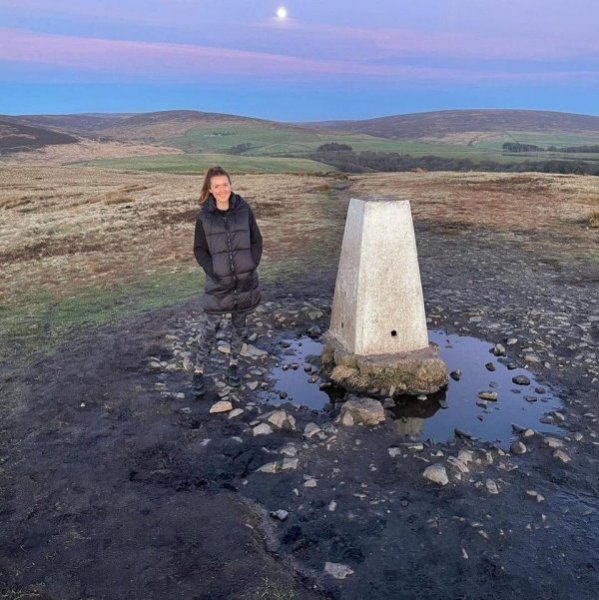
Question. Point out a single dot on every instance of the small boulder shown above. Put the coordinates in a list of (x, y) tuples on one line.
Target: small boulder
[(280, 419), (337, 570), (262, 429), (221, 406), (437, 474), (365, 411)]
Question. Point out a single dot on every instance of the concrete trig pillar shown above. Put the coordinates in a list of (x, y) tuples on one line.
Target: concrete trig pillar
[(378, 340)]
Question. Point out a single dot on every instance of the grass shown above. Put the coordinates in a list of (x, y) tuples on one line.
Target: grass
[(199, 163), (40, 321), (593, 219)]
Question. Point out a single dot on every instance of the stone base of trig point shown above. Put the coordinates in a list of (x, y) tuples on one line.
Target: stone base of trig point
[(378, 338), (416, 372)]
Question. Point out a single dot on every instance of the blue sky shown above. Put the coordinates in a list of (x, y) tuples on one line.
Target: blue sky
[(331, 60)]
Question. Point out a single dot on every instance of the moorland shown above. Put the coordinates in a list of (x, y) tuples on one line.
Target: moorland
[(117, 483)]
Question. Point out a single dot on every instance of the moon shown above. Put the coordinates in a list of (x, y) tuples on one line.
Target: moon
[(281, 13)]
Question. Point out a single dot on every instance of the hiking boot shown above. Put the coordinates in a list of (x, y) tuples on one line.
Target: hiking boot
[(233, 379), (198, 384)]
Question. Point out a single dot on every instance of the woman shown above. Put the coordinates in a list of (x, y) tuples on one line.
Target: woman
[(228, 246)]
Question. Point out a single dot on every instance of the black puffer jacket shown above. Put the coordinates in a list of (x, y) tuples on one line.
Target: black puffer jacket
[(228, 246)]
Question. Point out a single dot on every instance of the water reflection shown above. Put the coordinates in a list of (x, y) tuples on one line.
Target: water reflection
[(438, 416)]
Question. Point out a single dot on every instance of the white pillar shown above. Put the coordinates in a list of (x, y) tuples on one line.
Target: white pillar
[(377, 339), (378, 306)]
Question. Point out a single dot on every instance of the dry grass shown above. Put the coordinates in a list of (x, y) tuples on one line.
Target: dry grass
[(594, 219), (69, 228), (549, 213), (70, 236), (85, 150)]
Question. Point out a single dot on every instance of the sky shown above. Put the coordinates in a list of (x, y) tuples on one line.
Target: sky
[(327, 59)]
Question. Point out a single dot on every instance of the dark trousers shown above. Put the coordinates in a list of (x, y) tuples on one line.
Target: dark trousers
[(235, 334)]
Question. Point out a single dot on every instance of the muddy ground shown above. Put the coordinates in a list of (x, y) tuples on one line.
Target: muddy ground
[(116, 483)]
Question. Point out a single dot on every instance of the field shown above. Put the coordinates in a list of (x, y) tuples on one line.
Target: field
[(87, 245), (116, 482), (83, 246), (199, 163)]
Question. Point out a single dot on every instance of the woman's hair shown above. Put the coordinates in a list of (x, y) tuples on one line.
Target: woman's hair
[(212, 172)]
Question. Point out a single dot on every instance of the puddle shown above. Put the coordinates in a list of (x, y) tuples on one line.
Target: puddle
[(437, 417), (293, 383)]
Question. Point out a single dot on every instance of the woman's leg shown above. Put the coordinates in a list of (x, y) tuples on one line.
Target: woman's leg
[(238, 334), (205, 341), (238, 337)]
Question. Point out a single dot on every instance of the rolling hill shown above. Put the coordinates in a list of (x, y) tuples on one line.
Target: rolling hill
[(16, 137), (445, 123), (243, 143)]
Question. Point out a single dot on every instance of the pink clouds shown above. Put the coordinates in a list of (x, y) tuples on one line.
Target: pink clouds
[(141, 60), (398, 42)]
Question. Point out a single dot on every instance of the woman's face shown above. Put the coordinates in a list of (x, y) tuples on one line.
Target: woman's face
[(220, 188)]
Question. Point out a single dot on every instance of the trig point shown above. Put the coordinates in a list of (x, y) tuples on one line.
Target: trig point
[(377, 341)]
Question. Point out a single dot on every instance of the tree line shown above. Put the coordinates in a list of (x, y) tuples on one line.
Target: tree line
[(519, 147), (369, 161)]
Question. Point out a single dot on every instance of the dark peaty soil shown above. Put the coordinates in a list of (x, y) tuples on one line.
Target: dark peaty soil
[(109, 491)]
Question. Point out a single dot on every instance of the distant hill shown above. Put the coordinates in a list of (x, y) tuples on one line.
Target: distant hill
[(463, 139), (446, 123), (84, 123), (15, 137), (152, 126)]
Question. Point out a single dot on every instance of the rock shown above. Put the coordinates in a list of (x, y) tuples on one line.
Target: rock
[(436, 473), (337, 570), (490, 366), (282, 395), (511, 341), (553, 442), (488, 395), (466, 456), (535, 494), (262, 429), (456, 375), (394, 451), (332, 507), (310, 483), (287, 464), (252, 385), (221, 406), (458, 464), (518, 447), (498, 350), (521, 380), (559, 417), (311, 429), (289, 450), (491, 486), (562, 456), (365, 411), (464, 434), (224, 347), (280, 515), (280, 419), (252, 352), (235, 413), (414, 447), (346, 419)]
